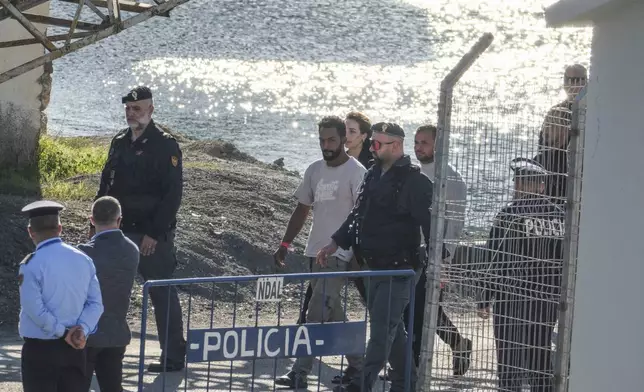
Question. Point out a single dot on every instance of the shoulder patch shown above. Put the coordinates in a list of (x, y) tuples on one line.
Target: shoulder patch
[(174, 160), (25, 261)]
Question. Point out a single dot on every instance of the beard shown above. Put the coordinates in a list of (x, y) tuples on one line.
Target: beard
[(138, 123), (330, 155), (425, 158)]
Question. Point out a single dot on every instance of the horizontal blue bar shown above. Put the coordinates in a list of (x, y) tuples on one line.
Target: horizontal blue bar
[(317, 340), (308, 275)]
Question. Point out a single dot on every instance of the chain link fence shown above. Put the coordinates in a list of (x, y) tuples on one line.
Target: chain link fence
[(503, 312)]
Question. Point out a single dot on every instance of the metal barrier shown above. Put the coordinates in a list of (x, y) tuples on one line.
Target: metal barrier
[(262, 330)]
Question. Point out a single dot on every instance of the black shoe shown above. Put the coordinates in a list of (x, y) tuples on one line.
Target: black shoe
[(385, 376), (461, 358), (157, 367), (292, 380), (345, 378)]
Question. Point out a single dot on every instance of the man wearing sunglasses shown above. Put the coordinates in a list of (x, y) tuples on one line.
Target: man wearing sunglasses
[(554, 136), (384, 230)]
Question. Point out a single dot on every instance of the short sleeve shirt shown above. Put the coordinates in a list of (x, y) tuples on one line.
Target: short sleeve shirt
[(331, 192)]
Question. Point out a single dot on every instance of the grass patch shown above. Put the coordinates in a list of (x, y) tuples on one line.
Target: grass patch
[(61, 190), (58, 160)]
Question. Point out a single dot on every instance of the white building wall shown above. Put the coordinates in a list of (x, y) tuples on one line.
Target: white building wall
[(608, 337), (21, 100)]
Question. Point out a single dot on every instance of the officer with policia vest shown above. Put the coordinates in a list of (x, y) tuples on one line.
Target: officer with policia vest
[(384, 230), (144, 173), (523, 279)]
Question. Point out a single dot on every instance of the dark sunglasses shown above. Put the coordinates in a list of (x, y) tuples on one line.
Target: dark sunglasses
[(377, 145)]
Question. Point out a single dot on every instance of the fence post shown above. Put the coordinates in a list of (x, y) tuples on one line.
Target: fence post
[(144, 320), (569, 273), (441, 157)]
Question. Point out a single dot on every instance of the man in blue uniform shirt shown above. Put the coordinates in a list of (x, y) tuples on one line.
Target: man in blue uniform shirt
[(61, 304)]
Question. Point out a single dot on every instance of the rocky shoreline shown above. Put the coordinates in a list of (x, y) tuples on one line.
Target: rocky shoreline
[(234, 210)]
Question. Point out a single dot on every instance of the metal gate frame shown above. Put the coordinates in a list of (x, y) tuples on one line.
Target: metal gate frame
[(571, 241), (573, 211), (301, 277), (441, 155)]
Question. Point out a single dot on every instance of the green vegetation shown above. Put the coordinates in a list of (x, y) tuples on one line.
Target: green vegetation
[(61, 170)]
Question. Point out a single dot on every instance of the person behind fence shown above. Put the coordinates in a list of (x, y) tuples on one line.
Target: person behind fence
[(555, 135), (116, 259), (60, 305), (329, 188), (358, 128), (456, 192), (384, 230), (144, 173), (523, 279)]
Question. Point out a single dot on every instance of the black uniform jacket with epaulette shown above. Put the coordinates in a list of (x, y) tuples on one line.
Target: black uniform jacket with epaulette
[(526, 251), (146, 176)]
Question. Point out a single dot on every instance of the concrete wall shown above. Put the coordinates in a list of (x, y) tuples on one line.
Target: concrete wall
[(607, 341), (22, 99), (580, 12)]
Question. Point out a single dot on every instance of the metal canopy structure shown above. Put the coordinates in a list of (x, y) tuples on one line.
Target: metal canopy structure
[(80, 34)]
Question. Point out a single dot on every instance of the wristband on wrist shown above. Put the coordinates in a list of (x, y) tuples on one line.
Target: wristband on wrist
[(285, 244)]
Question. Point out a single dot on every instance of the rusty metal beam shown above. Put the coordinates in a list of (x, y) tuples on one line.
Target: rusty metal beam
[(98, 12), (95, 37), (21, 6), (28, 25), (48, 20), (74, 22), (124, 5), (52, 38)]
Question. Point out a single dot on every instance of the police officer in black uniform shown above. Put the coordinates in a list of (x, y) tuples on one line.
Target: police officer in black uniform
[(524, 278), (384, 230), (144, 172)]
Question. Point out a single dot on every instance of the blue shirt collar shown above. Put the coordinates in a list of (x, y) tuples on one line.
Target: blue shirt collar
[(49, 241), (104, 232)]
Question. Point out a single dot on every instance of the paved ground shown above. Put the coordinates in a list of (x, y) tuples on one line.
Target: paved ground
[(219, 376), (222, 376)]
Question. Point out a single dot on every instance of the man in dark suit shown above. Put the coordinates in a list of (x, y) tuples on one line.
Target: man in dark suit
[(116, 259)]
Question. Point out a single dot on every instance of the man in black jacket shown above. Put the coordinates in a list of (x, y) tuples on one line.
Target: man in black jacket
[(524, 278), (555, 134), (384, 228), (116, 259), (144, 172)]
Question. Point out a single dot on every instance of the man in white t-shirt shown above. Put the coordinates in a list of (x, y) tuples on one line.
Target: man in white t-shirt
[(330, 188)]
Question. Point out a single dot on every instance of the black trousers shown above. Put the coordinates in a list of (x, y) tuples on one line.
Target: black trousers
[(52, 366), (107, 362), (523, 332), (359, 282), (161, 265), (446, 330)]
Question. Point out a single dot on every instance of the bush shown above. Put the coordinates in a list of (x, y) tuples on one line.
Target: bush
[(60, 159)]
